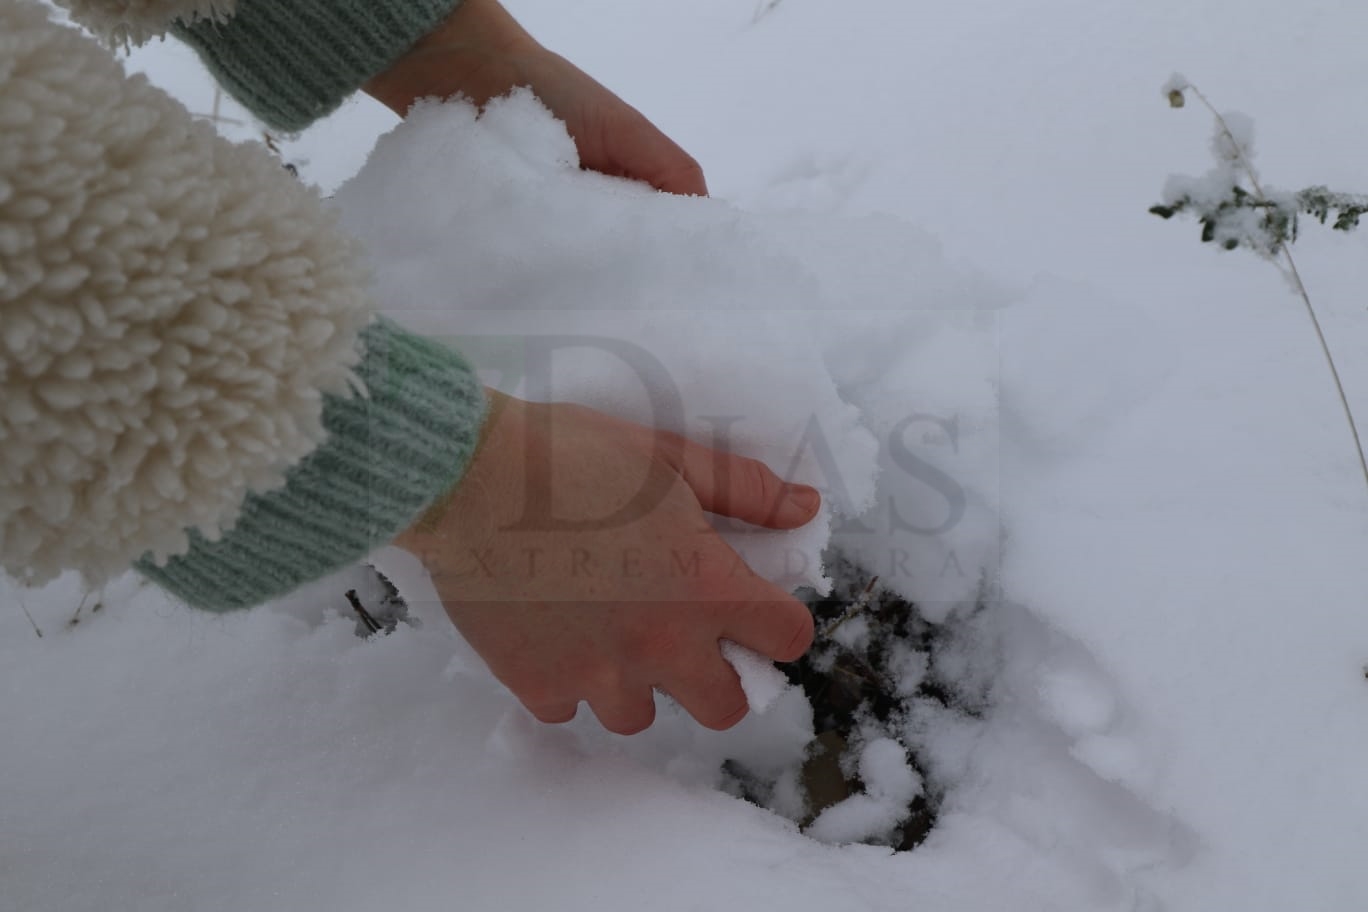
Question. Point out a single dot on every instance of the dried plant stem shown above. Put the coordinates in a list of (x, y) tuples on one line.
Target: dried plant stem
[(76, 618), (855, 607), (371, 623), (1294, 275), (36, 629)]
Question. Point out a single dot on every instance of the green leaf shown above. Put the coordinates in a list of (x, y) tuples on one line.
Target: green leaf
[(1347, 221)]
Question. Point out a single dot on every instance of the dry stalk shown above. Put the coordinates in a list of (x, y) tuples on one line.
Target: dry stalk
[(1291, 271), (36, 629)]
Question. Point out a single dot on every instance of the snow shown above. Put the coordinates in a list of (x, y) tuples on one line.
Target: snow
[(1169, 692), (1235, 142), (890, 786), (1177, 83), (656, 308), (852, 634), (760, 680)]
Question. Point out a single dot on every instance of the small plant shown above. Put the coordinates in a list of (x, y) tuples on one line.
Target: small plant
[(1276, 220), (1235, 210)]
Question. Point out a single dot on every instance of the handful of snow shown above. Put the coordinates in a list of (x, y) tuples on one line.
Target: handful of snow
[(761, 681)]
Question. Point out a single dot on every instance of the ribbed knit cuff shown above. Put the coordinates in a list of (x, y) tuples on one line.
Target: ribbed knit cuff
[(386, 459), (291, 62)]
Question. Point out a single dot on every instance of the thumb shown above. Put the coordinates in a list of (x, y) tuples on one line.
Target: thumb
[(745, 489)]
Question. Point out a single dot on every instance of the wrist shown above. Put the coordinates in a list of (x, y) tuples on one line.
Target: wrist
[(423, 538), (478, 36)]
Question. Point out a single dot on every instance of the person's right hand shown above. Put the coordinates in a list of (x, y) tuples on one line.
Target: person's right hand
[(575, 557)]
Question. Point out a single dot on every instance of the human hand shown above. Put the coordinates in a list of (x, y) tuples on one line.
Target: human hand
[(575, 557), (481, 52)]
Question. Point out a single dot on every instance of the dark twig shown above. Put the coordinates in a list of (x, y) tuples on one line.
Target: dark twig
[(36, 628), (76, 617), (860, 604), (371, 624)]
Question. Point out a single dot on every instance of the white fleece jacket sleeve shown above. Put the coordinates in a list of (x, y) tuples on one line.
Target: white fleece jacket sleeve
[(135, 21), (172, 310)]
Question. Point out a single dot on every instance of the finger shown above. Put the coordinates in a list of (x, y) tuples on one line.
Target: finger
[(771, 622), (744, 489), (553, 713), (647, 154), (673, 170), (625, 713), (711, 693)]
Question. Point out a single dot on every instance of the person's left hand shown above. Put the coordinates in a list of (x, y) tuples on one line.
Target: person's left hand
[(481, 52)]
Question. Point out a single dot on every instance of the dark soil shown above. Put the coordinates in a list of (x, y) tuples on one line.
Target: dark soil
[(852, 689)]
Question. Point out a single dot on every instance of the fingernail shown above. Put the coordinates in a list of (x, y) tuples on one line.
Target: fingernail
[(804, 499)]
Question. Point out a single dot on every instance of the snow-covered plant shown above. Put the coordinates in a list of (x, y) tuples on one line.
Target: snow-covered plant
[(1242, 218), (1235, 210), (1235, 215)]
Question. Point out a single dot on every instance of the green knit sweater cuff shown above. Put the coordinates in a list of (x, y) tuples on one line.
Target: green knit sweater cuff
[(387, 457), (291, 62)]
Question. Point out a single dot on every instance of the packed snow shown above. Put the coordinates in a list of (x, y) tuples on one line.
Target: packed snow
[(1105, 458), (761, 682)]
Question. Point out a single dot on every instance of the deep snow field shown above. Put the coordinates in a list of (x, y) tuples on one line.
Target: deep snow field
[(926, 282)]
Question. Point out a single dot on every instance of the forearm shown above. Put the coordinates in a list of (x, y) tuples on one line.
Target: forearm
[(182, 331)]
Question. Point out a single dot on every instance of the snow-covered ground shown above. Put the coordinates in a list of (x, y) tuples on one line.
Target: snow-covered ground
[(934, 219)]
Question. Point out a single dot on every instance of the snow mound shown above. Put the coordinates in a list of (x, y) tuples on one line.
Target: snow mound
[(849, 355), (162, 759)]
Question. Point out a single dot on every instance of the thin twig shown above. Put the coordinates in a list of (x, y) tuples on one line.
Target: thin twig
[(855, 608), (1294, 274), (371, 624), (36, 628), (76, 618)]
